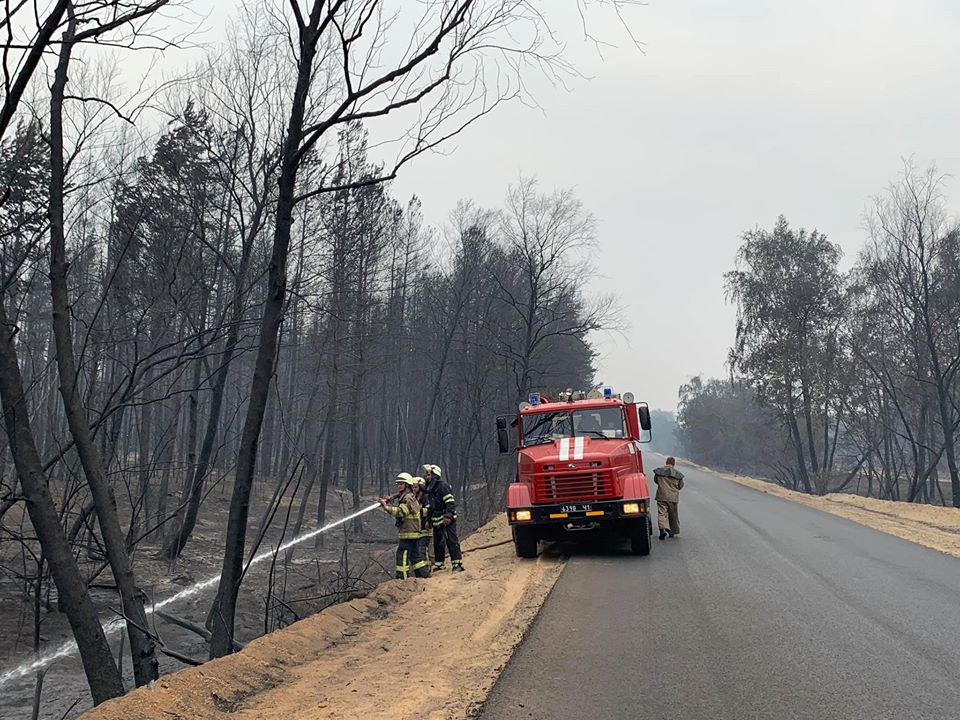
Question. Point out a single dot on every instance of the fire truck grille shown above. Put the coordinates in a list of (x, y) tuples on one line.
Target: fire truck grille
[(578, 486)]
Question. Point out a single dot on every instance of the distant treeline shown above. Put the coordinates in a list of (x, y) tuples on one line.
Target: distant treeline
[(843, 381)]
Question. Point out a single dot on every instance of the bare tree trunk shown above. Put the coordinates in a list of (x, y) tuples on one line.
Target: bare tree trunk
[(950, 450), (313, 469), (187, 521), (98, 663), (177, 540), (171, 429), (944, 404), (142, 647), (223, 612), (354, 469), (435, 392), (798, 445), (353, 459), (808, 421), (329, 444), (141, 509), (271, 415)]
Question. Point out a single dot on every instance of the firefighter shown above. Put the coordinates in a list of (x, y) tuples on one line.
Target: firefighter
[(406, 511), (669, 482), (426, 527), (443, 518)]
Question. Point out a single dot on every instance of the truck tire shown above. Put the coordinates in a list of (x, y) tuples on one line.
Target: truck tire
[(525, 542), (640, 540)]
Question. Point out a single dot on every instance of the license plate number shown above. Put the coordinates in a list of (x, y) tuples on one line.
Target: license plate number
[(582, 507)]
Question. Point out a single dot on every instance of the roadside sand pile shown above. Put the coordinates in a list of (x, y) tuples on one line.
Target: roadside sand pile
[(930, 525), (410, 649)]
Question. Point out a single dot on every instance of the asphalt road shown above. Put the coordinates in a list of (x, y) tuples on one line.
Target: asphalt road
[(761, 609)]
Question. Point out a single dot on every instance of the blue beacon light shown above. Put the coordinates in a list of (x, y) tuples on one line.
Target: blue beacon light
[(607, 393)]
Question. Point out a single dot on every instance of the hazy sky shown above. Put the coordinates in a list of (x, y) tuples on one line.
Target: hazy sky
[(736, 111)]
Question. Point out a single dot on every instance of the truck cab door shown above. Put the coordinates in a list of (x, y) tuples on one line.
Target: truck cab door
[(638, 421), (504, 423)]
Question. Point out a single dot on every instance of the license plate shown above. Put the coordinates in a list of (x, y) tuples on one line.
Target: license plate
[(582, 507)]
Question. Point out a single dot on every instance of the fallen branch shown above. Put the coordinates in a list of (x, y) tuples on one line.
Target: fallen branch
[(185, 659), (161, 645), (70, 709), (192, 627), (185, 624), (487, 547)]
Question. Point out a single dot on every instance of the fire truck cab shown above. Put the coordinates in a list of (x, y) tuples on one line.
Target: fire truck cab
[(579, 470)]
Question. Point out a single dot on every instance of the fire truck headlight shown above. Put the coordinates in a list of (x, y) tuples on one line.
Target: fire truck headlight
[(631, 508), (522, 515)]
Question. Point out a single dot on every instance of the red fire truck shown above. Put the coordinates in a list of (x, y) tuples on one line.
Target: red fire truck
[(579, 469)]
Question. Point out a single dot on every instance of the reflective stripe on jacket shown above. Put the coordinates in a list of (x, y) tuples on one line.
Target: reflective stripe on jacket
[(442, 502), (407, 513)]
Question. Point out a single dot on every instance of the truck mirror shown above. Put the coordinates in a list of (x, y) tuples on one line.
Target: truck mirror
[(644, 413), (503, 435)]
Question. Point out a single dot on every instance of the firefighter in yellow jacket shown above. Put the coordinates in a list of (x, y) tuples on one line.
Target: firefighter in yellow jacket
[(426, 526), (406, 511)]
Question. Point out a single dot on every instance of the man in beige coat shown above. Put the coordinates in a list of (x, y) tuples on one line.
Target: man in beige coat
[(669, 482)]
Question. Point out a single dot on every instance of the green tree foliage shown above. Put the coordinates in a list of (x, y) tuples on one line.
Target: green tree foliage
[(790, 305), (722, 425), (844, 382)]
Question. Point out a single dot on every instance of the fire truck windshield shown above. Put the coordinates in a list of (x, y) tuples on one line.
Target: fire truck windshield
[(602, 422)]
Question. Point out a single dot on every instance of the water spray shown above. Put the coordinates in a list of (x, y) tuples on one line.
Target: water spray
[(70, 647)]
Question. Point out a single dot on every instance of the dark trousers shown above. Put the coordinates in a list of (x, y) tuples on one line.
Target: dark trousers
[(445, 538), (409, 559), (425, 542)]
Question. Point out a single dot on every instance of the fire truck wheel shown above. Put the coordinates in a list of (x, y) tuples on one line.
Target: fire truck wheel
[(640, 541), (525, 541)]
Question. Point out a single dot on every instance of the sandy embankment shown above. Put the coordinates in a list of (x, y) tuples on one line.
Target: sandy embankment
[(932, 526), (411, 649)]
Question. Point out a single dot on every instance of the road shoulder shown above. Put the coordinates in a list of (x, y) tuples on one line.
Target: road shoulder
[(932, 526)]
